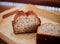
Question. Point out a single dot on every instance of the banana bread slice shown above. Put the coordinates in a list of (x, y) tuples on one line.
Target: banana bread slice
[(25, 22), (48, 33)]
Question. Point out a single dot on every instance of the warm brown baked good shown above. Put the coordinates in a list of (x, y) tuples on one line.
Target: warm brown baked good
[(48, 34), (25, 22)]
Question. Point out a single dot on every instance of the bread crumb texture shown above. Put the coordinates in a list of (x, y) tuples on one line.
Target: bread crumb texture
[(49, 29)]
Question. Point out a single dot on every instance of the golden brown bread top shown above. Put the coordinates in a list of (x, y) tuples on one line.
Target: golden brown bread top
[(22, 13)]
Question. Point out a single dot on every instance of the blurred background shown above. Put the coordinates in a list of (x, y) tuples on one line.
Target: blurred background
[(55, 3)]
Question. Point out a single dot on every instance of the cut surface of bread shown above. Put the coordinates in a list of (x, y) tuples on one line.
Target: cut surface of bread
[(49, 29), (48, 33), (25, 22)]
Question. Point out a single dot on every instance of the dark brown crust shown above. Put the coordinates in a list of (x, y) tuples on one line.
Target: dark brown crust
[(21, 13), (13, 27), (34, 14), (47, 39)]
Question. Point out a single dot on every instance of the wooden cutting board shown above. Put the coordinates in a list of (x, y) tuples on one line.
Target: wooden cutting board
[(6, 32)]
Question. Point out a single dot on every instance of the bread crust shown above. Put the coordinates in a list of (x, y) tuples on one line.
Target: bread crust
[(42, 38), (47, 39), (21, 13), (13, 27)]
